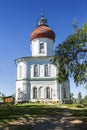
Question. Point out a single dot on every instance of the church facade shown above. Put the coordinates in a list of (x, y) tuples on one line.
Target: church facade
[(36, 75)]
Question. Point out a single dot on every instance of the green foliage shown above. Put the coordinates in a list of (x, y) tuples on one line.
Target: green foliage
[(72, 99), (84, 101), (2, 95), (71, 57), (79, 99)]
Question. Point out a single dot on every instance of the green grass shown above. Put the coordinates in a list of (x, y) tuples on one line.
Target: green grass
[(10, 112), (80, 113), (77, 110)]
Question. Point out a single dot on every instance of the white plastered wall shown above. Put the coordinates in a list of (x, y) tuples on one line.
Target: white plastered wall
[(48, 46)]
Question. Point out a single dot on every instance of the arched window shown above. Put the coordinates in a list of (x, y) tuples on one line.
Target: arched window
[(34, 93), (36, 70), (20, 71), (64, 93), (47, 93), (42, 48)]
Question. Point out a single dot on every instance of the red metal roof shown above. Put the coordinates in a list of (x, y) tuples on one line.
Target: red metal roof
[(42, 31)]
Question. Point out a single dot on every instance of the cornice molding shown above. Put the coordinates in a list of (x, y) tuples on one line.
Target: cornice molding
[(37, 79)]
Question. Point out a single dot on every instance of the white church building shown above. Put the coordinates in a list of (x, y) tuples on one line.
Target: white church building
[(36, 75)]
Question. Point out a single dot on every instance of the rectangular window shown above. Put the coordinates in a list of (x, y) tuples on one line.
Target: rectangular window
[(36, 71), (42, 48), (46, 71)]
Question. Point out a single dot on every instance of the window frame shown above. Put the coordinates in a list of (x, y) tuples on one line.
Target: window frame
[(47, 93), (36, 71), (46, 70), (34, 93), (41, 48)]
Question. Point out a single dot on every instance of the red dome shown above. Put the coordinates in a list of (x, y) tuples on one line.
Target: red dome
[(42, 31)]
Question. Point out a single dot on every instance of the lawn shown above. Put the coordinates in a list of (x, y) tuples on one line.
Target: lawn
[(9, 112), (15, 112)]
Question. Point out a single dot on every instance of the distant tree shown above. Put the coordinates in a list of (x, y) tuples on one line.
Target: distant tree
[(3, 95), (79, 98), (71, 57), (72, 99), (84, 101), (13, 95), (0, 94)]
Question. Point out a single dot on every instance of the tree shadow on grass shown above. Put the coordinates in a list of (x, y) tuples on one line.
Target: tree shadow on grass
[(42, 118), (63, 121)]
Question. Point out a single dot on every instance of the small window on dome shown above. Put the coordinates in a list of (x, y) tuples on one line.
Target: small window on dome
[(42, 48)]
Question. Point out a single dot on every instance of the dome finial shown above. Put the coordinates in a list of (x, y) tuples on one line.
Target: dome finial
[(42, 20), (42, 14)]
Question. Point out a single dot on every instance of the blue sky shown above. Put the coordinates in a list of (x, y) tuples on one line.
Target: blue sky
[(17, 20)]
